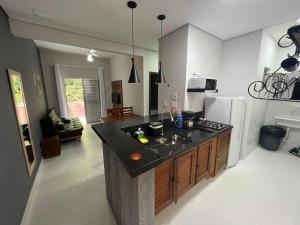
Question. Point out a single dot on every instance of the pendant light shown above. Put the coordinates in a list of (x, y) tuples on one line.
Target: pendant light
[(161, 77), (134, 77)]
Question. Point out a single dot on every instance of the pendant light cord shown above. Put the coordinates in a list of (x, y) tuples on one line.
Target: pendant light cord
[(132, 34), (160, 40)]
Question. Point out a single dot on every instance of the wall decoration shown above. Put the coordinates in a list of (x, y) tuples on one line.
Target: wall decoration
[(281, 86), (38, 85)]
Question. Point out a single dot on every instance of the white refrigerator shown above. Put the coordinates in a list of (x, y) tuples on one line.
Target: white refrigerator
[(228, 110)]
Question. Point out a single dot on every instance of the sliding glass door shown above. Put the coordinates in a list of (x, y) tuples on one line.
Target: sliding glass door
[(83, 99), (91, 96), (75, 99)]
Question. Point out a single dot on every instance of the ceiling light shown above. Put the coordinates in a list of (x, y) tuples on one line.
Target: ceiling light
[(92, 51), (89, 58), (133, 77)]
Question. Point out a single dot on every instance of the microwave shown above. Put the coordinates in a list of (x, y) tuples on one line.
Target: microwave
[(211, 84)]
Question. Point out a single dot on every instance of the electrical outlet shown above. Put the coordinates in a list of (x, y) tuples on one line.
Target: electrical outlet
[(174, 104), (174, 97), (165, 103)]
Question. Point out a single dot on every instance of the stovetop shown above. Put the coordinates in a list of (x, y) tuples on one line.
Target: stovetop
[(210, 124)]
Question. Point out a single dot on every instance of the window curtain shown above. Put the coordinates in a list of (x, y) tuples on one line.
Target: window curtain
[(60, 86), (103, 107)]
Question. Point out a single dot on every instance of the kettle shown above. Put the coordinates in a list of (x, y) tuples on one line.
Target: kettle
[(189, 123)]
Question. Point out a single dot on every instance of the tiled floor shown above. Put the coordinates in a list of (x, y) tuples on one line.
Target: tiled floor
[(264, 189), (70, 189)]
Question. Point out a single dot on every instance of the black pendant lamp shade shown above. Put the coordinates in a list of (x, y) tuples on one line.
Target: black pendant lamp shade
[(134, 77), (161, 76), (160, 79)]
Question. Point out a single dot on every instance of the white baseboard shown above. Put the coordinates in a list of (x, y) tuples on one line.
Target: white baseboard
[(24, 220)]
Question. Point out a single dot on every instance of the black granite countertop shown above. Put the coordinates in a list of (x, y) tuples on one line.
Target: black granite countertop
[(153, 154)]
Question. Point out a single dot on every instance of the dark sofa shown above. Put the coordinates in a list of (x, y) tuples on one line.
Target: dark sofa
[(66, 129)]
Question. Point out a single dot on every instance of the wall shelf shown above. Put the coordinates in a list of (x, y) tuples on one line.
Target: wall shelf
[(288, 121), (201, 90), (195, 90)]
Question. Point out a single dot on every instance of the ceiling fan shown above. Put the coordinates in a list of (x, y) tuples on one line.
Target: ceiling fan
[(91, 54)]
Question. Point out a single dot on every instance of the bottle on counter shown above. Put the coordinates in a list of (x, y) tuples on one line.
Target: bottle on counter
[(179, 121)]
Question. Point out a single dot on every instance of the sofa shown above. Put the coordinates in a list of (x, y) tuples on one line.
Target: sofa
[(66, 129)]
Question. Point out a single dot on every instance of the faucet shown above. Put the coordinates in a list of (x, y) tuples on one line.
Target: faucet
[(162, 120)]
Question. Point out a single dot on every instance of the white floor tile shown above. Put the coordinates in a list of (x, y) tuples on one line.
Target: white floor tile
[(71, 188)]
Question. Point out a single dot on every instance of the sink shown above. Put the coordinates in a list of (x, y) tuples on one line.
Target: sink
[(169, 139)]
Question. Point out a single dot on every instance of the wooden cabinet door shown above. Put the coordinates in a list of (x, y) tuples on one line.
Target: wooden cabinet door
[(203, 160), (185, 172), (223, 143), (222, 151), (164, 185)]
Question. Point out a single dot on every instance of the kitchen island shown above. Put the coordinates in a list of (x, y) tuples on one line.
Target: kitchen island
[(142, 179)]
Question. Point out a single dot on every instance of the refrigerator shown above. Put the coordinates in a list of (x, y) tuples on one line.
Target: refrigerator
[(228, 110)]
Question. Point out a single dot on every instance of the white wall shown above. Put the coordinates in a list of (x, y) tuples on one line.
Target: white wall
[(43, 33), (174, 59), (239, 64), (49, 57), (150, 64), (132, 93), (203, 58), (239, 68), (186, 51), (267, 55)]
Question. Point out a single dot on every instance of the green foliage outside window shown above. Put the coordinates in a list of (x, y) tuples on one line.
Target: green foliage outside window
[(17, 91), (74, 91)]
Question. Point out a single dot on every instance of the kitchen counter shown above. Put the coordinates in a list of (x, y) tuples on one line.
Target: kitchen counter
[(153, 154), (132, 168)]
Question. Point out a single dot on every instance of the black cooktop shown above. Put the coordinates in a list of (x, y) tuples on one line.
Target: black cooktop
[(211, 124)]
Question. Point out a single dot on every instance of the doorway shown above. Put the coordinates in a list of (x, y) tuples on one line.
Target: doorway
[(75, 99), (117, 94), (153, 94)]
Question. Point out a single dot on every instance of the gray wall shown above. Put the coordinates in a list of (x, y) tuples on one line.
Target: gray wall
[(15, 184), (49, 57)]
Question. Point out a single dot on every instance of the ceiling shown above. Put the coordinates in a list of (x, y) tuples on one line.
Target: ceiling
[(110, 19), (71, 49)]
